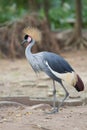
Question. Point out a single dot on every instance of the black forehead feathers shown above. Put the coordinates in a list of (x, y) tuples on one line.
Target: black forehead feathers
[(26, 36)]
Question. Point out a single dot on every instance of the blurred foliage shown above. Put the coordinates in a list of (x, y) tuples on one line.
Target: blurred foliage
[(12, 9), (61, 12), (62, 16)]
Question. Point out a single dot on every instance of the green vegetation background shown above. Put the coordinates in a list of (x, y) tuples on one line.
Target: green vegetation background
[(60, 15)]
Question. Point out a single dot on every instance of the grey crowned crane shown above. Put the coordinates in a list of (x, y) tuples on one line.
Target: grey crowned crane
[(55, 66)]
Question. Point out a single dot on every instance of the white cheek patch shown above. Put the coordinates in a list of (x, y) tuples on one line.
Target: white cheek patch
[(69, 77), (29, 39)]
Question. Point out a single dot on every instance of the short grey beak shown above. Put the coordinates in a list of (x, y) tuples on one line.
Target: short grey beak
[(23, 42)]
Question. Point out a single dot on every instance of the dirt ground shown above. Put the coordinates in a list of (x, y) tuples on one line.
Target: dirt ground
[(17, 79), (69, 118)]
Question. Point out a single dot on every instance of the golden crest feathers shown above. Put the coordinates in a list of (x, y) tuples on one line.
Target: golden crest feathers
[(34, 33)]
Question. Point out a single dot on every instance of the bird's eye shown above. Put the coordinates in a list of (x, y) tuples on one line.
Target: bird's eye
[(26, 37)]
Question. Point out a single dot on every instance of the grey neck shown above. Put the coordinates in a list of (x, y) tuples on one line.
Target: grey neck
[(28, 52)]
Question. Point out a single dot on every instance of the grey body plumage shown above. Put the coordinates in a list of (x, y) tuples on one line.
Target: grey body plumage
[(39, 62), (52, 64)]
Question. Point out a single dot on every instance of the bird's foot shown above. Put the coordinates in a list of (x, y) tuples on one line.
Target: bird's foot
[(52, 111)]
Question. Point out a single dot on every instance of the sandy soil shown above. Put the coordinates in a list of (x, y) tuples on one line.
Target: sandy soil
[(17, 79), (69, 118)]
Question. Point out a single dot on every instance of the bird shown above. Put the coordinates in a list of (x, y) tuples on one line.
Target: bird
[(54, 65)]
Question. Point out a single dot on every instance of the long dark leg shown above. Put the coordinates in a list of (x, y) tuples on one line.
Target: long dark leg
[(54, 98), (66, 95), (55, 109)]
